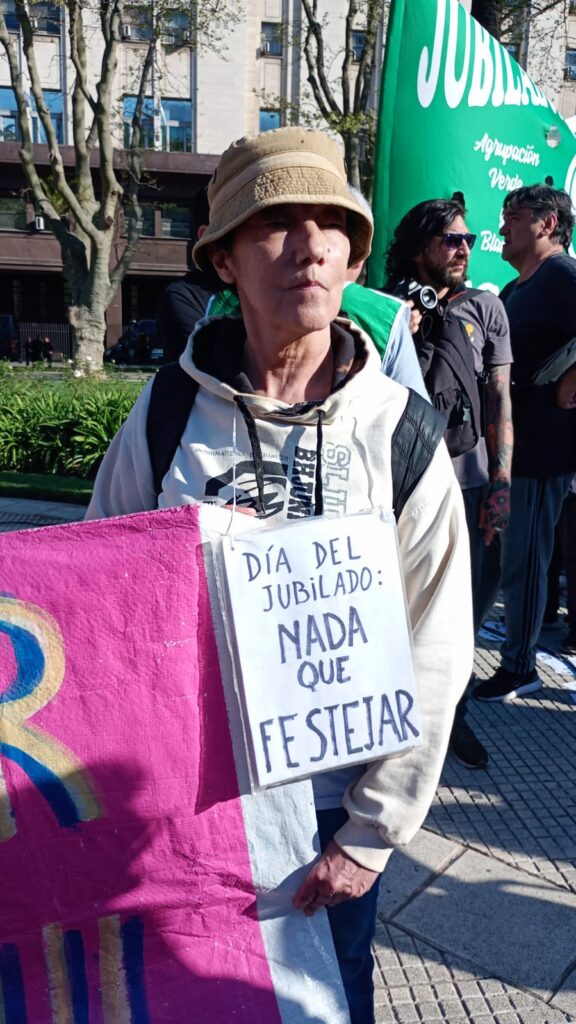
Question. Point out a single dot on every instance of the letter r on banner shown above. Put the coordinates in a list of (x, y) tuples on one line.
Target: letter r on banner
[(38, 650)]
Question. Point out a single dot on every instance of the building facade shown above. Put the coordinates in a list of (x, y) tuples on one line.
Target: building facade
[(197, 100)]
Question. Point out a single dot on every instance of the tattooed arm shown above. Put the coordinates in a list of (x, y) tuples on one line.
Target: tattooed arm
[(495, 510)]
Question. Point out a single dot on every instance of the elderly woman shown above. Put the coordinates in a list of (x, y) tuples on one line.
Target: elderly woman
[(319, 431)]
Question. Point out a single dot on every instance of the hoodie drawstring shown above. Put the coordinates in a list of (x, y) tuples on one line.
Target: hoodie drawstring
[(256, 450), (318, 492), (259, 465)]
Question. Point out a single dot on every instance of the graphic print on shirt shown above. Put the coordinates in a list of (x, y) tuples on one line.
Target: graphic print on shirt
[(291, 485)]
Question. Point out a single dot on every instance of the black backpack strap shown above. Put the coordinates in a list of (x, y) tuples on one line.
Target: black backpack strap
[(414, 441), (171, 400), (466, 293)]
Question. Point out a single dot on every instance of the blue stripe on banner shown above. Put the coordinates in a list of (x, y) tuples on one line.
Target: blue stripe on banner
[(29, 660), (51, 787), (132, 932), (76, 965), (12, 985)]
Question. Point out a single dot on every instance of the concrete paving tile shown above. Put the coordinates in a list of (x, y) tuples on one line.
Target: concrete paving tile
[(565, 998), (407, 871), (384, 1015), (452, 1009), (393, 977), (429, 1011), (445, 990), (416, 975), (406, 1013), (519, 928), (476, 1005)]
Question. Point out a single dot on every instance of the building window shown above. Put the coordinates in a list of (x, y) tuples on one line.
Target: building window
[(358, 44), (176, 28), (570, 66), (271, 39), (55, 103), (146, 223), (45, 17), (572, 7), (146, 122), (8, 8), (175, 222), (9, 130), (176, 118), (12, 215), (137, 23), (269, 119)]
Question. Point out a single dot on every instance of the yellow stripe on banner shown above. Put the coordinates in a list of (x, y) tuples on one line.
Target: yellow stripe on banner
[(30, 739), (60, 997), (115, 1004), (59, 760)]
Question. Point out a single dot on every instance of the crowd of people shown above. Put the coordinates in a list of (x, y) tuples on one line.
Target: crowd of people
[(284, 353)]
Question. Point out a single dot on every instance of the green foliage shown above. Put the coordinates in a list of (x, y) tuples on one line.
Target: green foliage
[(61, 428)]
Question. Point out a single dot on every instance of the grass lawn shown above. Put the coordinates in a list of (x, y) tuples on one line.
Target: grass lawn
[(70, 489)]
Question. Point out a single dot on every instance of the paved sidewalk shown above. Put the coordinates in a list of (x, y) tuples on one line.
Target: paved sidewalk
[(477, 919), (22, 514)]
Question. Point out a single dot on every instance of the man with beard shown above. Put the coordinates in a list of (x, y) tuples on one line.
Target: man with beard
[(431, 246), (538, 223)]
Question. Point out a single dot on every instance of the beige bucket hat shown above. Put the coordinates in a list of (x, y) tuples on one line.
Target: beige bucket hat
[(286, 165)]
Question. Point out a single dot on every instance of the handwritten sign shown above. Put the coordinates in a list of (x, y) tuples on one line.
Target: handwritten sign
[(324, 644)]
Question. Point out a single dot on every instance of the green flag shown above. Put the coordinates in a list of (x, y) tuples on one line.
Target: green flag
[(458, 114)]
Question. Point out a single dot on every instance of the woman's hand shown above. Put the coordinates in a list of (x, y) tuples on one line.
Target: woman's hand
[(333, 879)]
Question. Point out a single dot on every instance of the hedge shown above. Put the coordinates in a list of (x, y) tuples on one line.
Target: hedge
[(61, 427)]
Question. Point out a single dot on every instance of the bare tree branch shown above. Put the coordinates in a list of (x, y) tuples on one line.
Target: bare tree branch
[(348, 55), (133, 208), (80, 96), (111, 12), (353, 119), (54, 155), (317, 78)]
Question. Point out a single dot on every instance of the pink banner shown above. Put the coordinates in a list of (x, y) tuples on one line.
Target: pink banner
[(127, 892)]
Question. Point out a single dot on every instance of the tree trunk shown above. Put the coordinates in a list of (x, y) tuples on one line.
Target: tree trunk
[(489, 14), (88, 337), (88, 282), (352, 154)]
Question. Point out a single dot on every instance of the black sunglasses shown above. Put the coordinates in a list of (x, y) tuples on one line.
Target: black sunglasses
[(454, 239)]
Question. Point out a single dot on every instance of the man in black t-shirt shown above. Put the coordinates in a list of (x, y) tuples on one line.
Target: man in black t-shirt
[(180, 307), (541, 308), (183, 303), (431, 246)]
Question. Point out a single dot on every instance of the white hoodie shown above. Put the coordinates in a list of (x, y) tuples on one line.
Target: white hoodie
[(389, 800)]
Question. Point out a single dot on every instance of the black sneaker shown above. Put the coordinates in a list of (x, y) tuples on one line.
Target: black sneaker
[(505, 685), (568, 646), (466, 747)]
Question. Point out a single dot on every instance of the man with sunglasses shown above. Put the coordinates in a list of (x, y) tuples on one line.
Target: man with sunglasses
[(432, 246)]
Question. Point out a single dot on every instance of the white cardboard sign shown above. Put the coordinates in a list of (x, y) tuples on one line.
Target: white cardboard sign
[(324, 644)]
